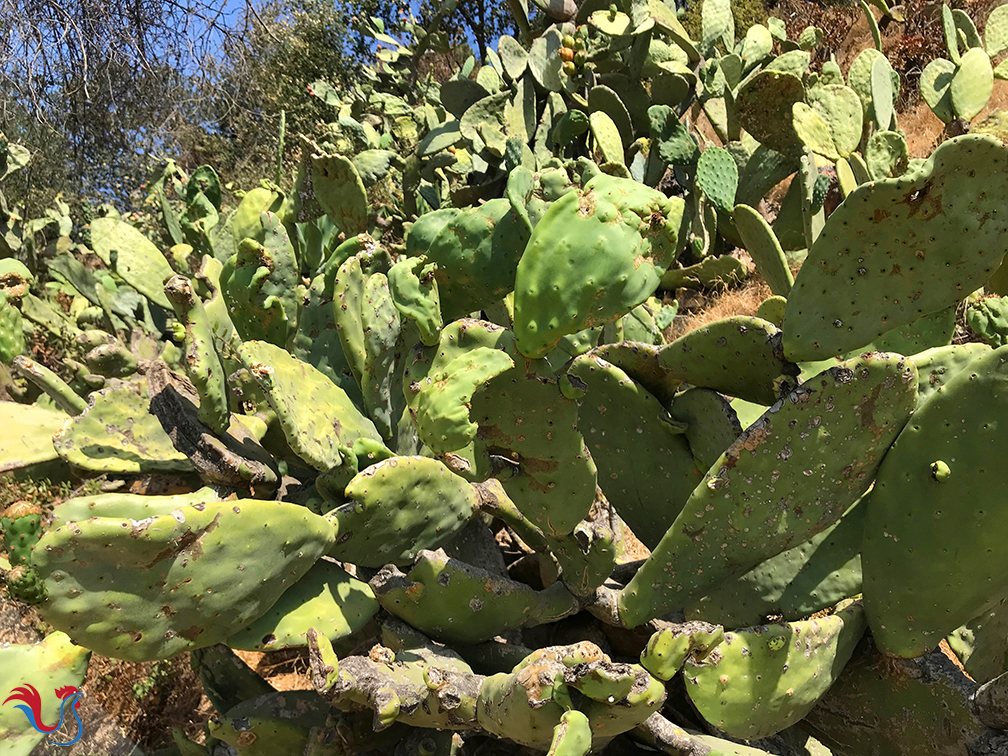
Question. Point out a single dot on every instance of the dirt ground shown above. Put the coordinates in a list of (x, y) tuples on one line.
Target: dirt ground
[(130, 706)]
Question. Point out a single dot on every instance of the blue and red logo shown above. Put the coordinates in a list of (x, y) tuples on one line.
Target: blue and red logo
[(32, 708)]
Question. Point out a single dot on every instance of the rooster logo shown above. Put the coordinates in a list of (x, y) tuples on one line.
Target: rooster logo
[(32, 708)]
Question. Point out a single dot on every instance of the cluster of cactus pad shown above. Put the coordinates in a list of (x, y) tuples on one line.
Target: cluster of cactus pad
[(431, 460)]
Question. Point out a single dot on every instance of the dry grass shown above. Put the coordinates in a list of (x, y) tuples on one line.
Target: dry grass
[(697, 309)]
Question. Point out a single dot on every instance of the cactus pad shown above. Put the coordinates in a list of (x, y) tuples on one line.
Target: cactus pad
[(565, 283), (628, 456), (317, 417), (917, 268), (175, 582), (326, 597), (117, 434), (755, 502), (397, 507), (762, 680), (954, 509)]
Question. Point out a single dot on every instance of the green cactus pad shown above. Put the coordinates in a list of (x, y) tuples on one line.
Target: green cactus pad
[(711, 423), (326, 597), (317, 341), (752, 505), (149, 589), (453, 602), (415, 295), (972, 84), (982, 643), (137, 261), (717, 177), (62, 395), (882, 93), (859, 78), (919, 270), (277, 722), (935, 88), (383, 337), (813, 131), (565, 283), (668, 649), (764, 105), (529, 427), (442, 404), (840, 107), (513, 55), (48, 666), (128, 506), (794, 584), (340, 192), (316, 416), (645, 468), (28, 436), (886, 155), (259, 284), (544, 61), (956, 512), (117, 434), (477, 255), (603, 99), (397, 507), (642, 362), (12, 341), (988, 319), (608, 142), (675, 144), (572, 737), (203, 363), (762, 245), (772, 309), (914, 706), (21, 523), (762, 680), (718, 24), (936, 366), (709, 273), (739, 356)]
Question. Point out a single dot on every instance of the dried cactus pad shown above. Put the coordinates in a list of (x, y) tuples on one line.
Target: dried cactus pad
[(910, 246), (593, 257), (149, 589)]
